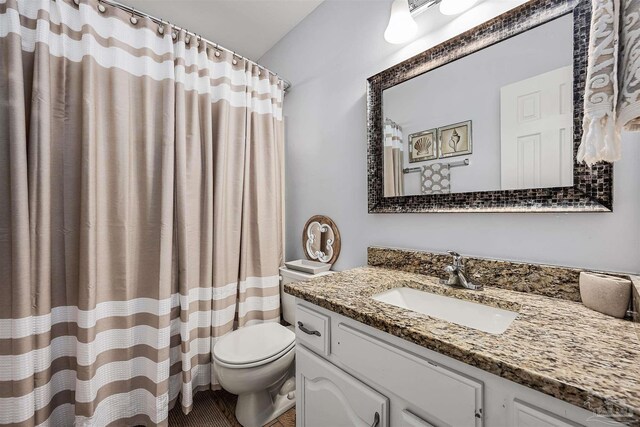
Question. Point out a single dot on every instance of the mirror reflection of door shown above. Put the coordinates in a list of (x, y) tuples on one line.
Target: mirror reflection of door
[(536, 126)]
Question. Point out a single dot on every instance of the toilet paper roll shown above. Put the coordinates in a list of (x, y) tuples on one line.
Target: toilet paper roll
[(607, 294)]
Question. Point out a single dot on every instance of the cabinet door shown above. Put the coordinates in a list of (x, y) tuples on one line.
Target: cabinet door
[(525, 415), (328, 396)]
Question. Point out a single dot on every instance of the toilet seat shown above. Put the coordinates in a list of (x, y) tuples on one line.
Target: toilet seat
[(254, 345)]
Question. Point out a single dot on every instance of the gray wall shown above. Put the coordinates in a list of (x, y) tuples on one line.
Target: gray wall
[(328, 58)]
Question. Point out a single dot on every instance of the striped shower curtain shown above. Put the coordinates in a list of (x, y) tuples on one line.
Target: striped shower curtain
[(393, 159), (140, 212)]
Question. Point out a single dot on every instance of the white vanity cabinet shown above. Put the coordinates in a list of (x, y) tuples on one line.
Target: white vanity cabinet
[(350, 374)]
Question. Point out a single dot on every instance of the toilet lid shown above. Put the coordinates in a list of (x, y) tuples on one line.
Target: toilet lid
[(253, 344)]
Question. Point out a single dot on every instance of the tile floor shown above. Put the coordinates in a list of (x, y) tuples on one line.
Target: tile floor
[(217, 409)]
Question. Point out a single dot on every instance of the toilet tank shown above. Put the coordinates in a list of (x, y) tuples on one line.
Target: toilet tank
[(288, 302)]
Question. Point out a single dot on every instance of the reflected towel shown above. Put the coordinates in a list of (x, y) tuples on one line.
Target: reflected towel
[(435, 179)]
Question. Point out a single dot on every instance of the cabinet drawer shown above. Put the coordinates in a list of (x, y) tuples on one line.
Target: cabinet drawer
[(313, 329), (525, 415), (438, 395), (328, 396)]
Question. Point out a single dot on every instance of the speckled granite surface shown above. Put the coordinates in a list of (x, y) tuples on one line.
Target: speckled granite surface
[(558, 347), (547, 280)]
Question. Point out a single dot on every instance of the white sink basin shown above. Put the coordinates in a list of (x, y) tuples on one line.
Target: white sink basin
[(473, 315)]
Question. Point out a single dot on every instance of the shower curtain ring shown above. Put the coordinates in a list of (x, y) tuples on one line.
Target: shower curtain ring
[(217, 53), (234, 61), (161, 27), (101, 7), (133, 19)]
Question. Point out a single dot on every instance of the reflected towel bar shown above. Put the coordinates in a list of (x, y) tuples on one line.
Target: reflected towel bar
[(464, 162)]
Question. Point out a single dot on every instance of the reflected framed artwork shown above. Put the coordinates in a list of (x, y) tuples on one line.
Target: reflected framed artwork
[(455, 140), (423, 146)]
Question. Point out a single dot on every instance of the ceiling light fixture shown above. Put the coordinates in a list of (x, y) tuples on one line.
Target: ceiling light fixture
[(416, 7), (454, 7), (401, 26)]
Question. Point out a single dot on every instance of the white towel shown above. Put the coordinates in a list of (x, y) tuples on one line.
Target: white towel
[(612, 93), (629, 97)]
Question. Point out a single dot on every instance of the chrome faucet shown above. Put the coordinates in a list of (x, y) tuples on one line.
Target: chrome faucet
[(458, 274)]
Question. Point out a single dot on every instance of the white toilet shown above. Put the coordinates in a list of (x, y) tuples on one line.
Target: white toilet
[(256, 362)]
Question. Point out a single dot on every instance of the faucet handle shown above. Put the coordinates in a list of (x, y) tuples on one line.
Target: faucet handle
[(457, 258)]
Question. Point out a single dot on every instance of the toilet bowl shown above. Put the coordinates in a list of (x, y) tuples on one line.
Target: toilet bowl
[(256, 363)]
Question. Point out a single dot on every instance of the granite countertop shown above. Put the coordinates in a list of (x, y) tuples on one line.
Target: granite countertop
[(555, 346)]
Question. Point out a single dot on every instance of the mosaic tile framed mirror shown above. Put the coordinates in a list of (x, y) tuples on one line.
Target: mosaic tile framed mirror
[(520, 80)]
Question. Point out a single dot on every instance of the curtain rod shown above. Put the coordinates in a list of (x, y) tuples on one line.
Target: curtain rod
[(114, 3)]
